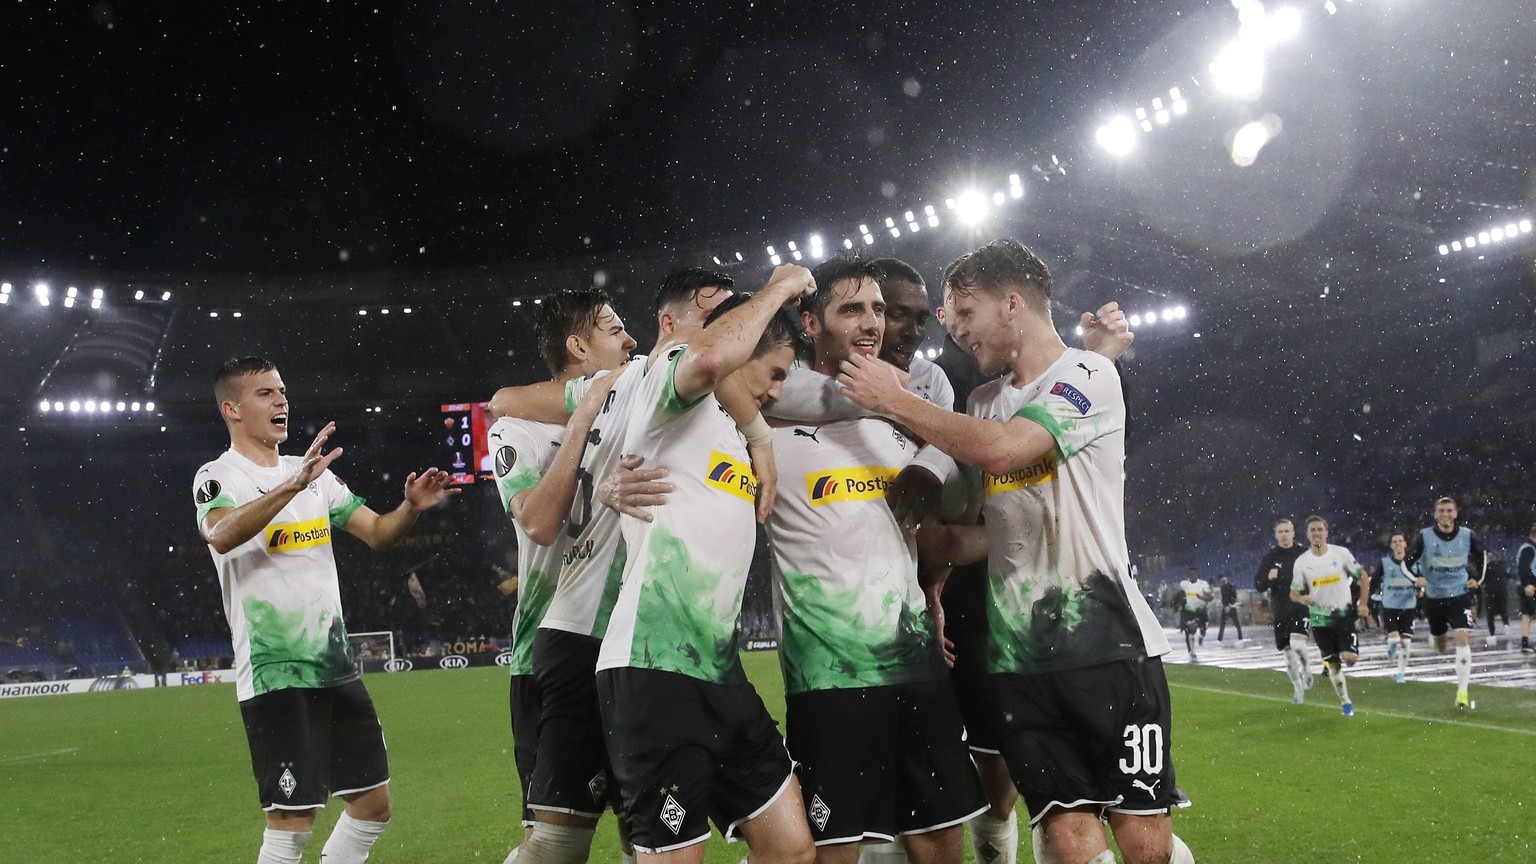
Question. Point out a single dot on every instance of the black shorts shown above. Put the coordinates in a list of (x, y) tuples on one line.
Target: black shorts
[(1336, 639), (1399, 620), (972, 685), (1093, 736), (877, 762), (308, 744), (1294, 623), (1191, 620), (1527, 604), (685, 751), (1448, 613), (570, 773), (526, 708)]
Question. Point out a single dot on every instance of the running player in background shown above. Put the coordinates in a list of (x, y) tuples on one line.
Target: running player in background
[(1228, 608), (1495, 594), (1448, 560), (535, 467), (1275, 577), (268, 521), (1051, 438), (1399, 603), (688, 736), (1525, 571), (1197, 596), (1323, 577)]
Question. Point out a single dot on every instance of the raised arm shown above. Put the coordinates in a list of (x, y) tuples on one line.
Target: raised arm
[(544, 509), (723, 346)]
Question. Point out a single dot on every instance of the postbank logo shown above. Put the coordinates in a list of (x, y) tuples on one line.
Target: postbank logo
[(1042, 471), (864, 483), (293, 536), (729, 475), (1332, 579)]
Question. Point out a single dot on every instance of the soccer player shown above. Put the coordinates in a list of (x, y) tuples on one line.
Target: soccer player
[(268, 520), (564, 788), (1228, 608), (866, 685), (1448, 561), (1525, 569), (1495, 593), (1275, 577), (1320, 582), (571, 770), (687, 735), (1197, 596), (1399, 603), (1074, 651)]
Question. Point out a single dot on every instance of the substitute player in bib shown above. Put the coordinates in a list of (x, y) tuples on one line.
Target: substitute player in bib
[(536, 476), (1073, 649), (1290, 620), (1448, 560), (268, 520), (1399, 603), (688, 736), (865, 681), (1321, 582)]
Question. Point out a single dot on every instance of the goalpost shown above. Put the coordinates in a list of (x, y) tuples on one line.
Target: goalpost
[(375, 645)]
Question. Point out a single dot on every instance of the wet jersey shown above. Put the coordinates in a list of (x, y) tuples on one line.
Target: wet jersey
[(845, 574), (281, 595), (1327, 579), (1058, 569), (522, 451), (1443, 563), (1197, 594), (686, 571), (1398, 588), (590, 571)]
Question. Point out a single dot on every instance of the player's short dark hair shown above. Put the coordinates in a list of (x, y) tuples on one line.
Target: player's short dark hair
[(1000, 267), (1316, 518), (1446, 499), (1223, 576), (782, 329), (832, 271), (1283, 520), (572, 312), (682, 286), (895, 268), (1402, 534), (233, 370)]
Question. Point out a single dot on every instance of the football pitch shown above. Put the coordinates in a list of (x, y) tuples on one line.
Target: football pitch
[(162, 775)]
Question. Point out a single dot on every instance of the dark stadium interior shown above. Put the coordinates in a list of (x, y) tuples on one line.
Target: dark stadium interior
[(269, 182)]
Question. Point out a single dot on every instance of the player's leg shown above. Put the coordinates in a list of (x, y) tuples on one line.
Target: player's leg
[(1463, 639), (755, 792), (779, 834), (1063, 836), (360, 771), (279, 730), (842, 738), (570, 784), (1296, 663), (937, 787), (995, 833)]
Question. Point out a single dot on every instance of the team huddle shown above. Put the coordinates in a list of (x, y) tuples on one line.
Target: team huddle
[(634, 486)]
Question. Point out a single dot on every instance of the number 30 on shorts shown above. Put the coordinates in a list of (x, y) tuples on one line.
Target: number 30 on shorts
[(1144, 746)]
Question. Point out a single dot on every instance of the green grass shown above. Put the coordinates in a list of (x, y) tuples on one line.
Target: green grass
[(162, 775)]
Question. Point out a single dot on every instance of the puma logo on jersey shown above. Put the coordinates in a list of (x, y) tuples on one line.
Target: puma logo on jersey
[(1086, 369), (1151, 790), (801, 433)]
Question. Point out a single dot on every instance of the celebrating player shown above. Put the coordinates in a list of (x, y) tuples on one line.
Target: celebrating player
[(1321, 583)]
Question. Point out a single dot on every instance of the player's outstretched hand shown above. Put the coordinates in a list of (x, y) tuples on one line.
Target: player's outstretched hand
[(428, 489), (633, 490), (1106, 332), (872, 383), (316, 460)]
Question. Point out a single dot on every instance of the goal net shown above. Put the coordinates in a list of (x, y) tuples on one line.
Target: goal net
[(377, 647)]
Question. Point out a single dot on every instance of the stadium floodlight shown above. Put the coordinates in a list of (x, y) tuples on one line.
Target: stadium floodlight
[(1282, 24), (106, 407), (40, 290), (1525, 226), (407, 310), (71, 291), (136, 406), (739, 258), (847, 243), (1239, 70), (776, 260), (869, 239), (1180, 312), (121, 406), (1247, 142), (384, 311), (1444, 249), (1470, 242), (971, 207), (771, 252), (1496, 234), (537, 301), (1117, 136), (58, 406), (1135, 320), (90, 406), (929, 210), (74, 406), (139, 294), (1482, 237), (45, 406), (1455, 245), (165, 296), (1330, 8), (69, 302), (1511, 229), (999, 198), (933, 221), (149, 406), (1150, 317), (895, 232), (1167, 314)]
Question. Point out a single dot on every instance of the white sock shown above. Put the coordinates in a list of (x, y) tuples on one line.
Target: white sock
[(995, 841), (282, 847), (1463, 666), (511, 856), (1336, 675), (556, 844), (1181, 853), (1402, 654), (350, 841), (1295, 667), (883, 853)]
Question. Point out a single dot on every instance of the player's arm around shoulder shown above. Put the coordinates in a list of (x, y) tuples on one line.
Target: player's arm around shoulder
[(544, 402)]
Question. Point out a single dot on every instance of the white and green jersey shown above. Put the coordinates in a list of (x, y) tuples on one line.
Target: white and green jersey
[(1197, 594), (1326, 578), (594, 563), (1059, 570), (521, 452), (844, 571), (685, 573), (281, 595)]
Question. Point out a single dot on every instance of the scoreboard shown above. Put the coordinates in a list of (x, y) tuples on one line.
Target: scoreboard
[(464, 441)]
